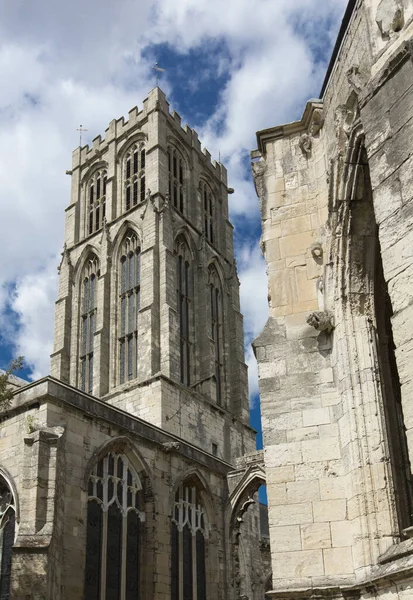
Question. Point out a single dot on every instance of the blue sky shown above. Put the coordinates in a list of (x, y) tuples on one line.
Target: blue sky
[(231, 68)]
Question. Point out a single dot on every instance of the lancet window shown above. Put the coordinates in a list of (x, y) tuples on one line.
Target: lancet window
[(114, 517), (88, 323), (184, 310), (129, 304), (134, 176), (188, 568), (207, 199), (215, 299), (97, 200), (176, 178), (7, 534)]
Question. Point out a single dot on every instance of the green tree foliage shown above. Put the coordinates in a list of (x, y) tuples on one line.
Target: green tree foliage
[(6, 392)]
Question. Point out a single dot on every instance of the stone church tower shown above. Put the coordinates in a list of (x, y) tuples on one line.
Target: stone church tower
[(126, 474), (148, 314)]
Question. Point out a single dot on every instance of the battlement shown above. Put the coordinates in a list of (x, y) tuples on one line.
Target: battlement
[(119, 128)]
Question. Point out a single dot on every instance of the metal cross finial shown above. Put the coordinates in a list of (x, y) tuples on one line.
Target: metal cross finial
[(158, 70), (81, 129)]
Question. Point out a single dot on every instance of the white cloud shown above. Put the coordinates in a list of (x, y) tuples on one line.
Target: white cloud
[(33, 302), (254, 305), (64, 64)]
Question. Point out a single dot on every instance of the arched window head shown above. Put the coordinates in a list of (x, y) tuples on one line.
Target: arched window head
[(88, 323), (114, 517), (188, 570), (7, 534), (176, 178), (134, 176), (185, 308), (208, 206), (97, 200), (216, 333), (129, 304)]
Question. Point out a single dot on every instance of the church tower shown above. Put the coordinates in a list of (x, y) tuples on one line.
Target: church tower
[(148, 316)]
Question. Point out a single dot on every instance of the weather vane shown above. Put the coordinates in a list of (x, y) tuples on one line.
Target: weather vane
[(81, 129), (158, 70)]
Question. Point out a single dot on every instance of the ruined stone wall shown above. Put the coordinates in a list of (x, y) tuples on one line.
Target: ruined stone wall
[(335, 194)]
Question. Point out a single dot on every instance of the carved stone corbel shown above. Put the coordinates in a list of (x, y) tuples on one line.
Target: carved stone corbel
[(321, 320), (317, 122), (258, 172), (170, 446), (305, 144), (390, 18)]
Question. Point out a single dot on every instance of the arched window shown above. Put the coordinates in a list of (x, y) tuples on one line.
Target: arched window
[(97, 200), (129, 304), (134, 176), (188, 572), (215, 305), (114, 516), (176, 178), (184, 279), (207, 199), (7, 533), (88, 323)]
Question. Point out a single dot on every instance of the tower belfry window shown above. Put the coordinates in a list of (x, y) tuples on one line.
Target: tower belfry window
[(97, 200), (207, 199), (88, 324), (184, 311), (129, 304), (7, 533), (215, 295), (188, 572), (114, 519), (176, 179), (134, 176)]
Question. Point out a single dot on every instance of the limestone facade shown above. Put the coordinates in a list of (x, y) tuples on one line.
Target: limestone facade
[(335, 361), (131, 473)]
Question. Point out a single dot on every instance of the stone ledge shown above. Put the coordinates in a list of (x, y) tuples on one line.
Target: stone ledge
[(398, 566), (400, 550)]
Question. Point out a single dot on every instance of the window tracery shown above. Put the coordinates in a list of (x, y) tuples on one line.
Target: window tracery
[(97, 200), (189, 531), (134, 176), (176, 178), (114, 518), (184, 277), (208, 203), (215, 294), (7, 534), (88, 323), (129, 304)]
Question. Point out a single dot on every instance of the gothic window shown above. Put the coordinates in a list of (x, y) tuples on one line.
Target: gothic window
[(97, 200), (215, 300), (207, 199), (114, 519), (188, 570), (7, 532), (129, 304), (88, 323), (134, 176), (176, 178), (184, 311)]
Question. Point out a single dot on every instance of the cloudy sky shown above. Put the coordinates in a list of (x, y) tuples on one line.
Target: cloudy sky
[(232, 67)]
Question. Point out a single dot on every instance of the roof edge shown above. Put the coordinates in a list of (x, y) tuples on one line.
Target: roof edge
[(342, 32), (280, 131)]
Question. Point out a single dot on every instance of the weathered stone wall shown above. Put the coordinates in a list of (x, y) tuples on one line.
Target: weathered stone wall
[(50, 439), (334, 455)]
